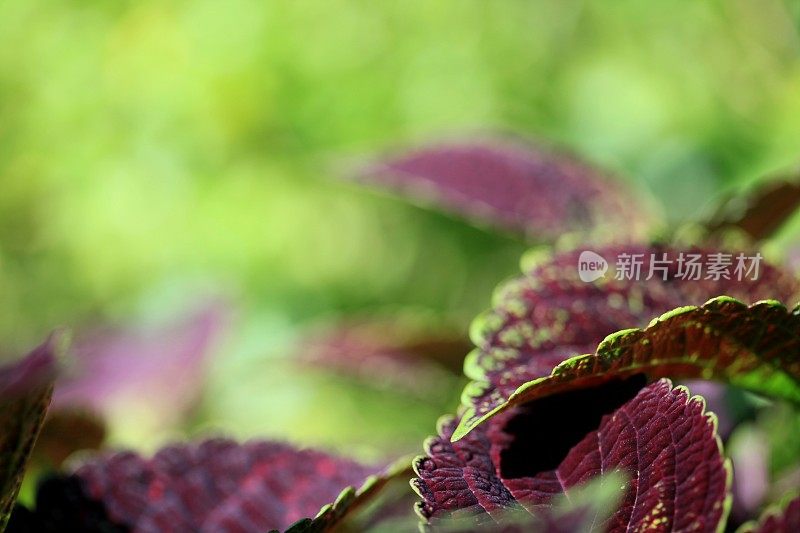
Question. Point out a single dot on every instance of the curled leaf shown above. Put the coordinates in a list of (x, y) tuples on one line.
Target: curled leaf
[(549, 314), (657, 436), (220, 485), (25, 389), (755, 347), (512, 186)]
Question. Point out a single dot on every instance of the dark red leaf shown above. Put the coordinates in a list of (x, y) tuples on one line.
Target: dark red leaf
[(25, 389), (512, 186), (396, 353), (549, 314), (759, 212), (219, 485), (659, 436), (756, 348), (441, 478)]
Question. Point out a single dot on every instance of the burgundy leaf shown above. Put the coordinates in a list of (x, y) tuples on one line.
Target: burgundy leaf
[(153, 367), (220, 485), (549, 314), (658, 436), (756, 348), (441, 478), (777, 520), (391, 352), (760, 212), (25, 389), (512, 186)]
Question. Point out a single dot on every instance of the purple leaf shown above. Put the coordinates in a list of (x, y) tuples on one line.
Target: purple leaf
[(219, 485), (151, 367), (777, 520), (548, 315), (760, 212), (441, 481), (391, 353), (756, 348), (657, 435), (25, 389), (511, 185)]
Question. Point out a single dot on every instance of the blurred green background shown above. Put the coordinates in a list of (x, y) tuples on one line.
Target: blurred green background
[(153, 152)]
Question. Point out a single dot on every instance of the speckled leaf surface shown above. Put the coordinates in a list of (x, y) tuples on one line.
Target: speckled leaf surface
[(548, 314), (25, 389), (510, 185), (755, 347), (220, 485), (658, 436)]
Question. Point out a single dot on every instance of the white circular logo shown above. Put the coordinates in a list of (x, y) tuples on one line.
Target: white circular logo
[(591, 266)]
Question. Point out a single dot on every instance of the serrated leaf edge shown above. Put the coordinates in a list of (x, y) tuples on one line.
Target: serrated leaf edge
[(472, 370), (350, 498)]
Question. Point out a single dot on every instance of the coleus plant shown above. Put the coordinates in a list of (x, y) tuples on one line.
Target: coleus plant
[(212, 485), (570, 391)]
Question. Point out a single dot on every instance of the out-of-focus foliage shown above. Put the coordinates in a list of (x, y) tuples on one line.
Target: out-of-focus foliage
[(152, 151), (25, 390)]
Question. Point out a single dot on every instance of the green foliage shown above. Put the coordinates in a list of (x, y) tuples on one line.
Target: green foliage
[(146, 143), (152, 152)]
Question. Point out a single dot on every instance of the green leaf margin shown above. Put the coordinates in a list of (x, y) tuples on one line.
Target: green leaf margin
[(350, 499), (778, 376)]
